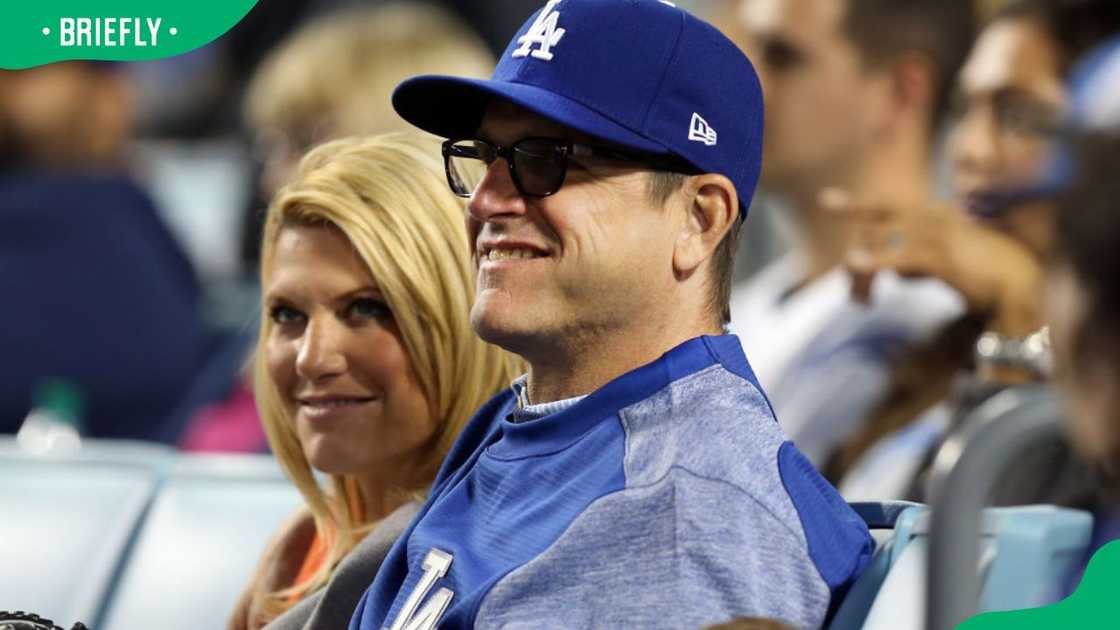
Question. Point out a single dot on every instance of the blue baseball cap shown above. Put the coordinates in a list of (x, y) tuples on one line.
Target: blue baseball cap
[(642, 74)]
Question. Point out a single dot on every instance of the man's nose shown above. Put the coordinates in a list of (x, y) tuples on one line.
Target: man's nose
[(496, 195)]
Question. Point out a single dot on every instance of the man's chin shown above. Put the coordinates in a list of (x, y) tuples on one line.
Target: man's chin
[(502, 326), (493, 327)]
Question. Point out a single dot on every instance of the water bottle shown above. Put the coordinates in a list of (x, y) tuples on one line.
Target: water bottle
[(53, 427)]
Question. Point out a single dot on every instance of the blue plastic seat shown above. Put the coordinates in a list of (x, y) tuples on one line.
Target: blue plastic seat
[(1037, 545), (885, 520), (1023, 553), (984, 559)]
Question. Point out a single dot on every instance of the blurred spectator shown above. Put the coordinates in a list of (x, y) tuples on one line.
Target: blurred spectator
[(1084, 311), (1011, 98), (366, 366), (333, 78), (854, 92), (69, 114), (100, 295), (196, 95), (765, 234)]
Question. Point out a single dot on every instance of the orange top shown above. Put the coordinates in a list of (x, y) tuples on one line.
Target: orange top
[(317, 552)]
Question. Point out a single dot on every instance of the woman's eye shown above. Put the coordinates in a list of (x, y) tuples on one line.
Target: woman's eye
[(369, 308), (284, 315)]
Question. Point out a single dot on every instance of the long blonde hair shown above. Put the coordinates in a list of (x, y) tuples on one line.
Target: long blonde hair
[(388, 196)]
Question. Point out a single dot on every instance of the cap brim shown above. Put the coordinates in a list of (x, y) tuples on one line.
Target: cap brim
[(453, 107)]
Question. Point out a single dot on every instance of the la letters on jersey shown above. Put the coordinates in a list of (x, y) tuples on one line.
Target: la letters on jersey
[(435, 566), (84, 32)]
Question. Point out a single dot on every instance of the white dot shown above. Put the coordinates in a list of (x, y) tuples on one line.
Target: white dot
[(174, 31), (46, 30)]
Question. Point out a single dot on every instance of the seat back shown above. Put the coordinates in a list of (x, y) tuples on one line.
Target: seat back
[(200, 543), (1033, 545), (883, 520), (1038, 545), (1021, 554), (66, 526)]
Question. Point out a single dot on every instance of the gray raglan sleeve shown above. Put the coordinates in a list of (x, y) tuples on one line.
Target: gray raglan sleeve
[(681, 553)]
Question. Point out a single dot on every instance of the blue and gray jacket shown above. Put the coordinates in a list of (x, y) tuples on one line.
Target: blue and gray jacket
[(668, 498)]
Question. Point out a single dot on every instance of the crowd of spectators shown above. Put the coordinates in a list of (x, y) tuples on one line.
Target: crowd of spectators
[(941, 171)]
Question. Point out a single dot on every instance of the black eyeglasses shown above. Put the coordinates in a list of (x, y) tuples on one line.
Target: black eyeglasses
[(537, 166)]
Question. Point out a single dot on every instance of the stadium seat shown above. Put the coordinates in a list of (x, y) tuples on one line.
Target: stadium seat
[(1023, 551), (66, 526), (885, 520), (1038, 546), (1015, 556), (200, 542)]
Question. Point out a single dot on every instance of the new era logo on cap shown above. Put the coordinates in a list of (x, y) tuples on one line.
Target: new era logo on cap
[(700, 131)]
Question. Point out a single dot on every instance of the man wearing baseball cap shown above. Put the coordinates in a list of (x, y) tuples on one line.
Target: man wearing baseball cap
[(636, 476)]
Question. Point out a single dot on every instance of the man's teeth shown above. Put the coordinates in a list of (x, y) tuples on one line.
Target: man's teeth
[(508, 254)]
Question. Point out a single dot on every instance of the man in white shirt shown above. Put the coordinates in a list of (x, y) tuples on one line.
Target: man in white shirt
[(854, 91)]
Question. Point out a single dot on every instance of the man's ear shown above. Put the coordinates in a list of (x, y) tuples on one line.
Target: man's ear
[(711, 206), (913, 86)]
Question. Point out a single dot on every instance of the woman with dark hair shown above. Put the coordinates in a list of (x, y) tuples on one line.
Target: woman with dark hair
[(991, 248), (1083, 307)]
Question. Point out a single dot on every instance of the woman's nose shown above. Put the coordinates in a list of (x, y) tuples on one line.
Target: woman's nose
[(321, 354)]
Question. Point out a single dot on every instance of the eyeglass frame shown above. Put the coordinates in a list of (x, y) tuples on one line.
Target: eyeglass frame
[(569, 149)]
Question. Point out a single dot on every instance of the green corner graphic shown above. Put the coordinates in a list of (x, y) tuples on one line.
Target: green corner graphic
[(44, 31), (1091, 606)]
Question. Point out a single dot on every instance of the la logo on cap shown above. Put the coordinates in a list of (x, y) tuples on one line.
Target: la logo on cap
[(700, 131), (543, 33)]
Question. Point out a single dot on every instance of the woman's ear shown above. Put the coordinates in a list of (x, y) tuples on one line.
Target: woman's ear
[(712, 206)]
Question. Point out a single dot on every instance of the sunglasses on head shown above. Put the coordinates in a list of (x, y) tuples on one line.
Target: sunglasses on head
[(537, 165)]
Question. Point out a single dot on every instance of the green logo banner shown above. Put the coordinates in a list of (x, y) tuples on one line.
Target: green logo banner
[(1093, 605), (43, 31)]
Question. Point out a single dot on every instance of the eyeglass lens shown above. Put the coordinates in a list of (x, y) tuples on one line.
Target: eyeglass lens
[(538, 165)]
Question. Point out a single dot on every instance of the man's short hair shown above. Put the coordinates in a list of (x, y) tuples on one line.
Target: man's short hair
[(662, 184), (942, 30)]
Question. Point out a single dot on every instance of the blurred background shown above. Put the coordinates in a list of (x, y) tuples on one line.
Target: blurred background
[(131, 199), (133, 193)]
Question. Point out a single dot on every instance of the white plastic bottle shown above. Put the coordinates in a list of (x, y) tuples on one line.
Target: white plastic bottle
[(53, 427)]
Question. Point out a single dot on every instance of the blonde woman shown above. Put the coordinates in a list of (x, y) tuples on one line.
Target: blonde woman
[(366, 366)]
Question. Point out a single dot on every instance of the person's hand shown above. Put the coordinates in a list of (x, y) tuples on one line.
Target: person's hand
[(994, 273)]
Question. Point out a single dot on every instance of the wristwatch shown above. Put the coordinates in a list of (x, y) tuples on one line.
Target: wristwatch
[(1030, 353), (20, 620)]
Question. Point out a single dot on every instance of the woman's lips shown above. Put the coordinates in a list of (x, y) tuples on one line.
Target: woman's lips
[(329, 407)]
